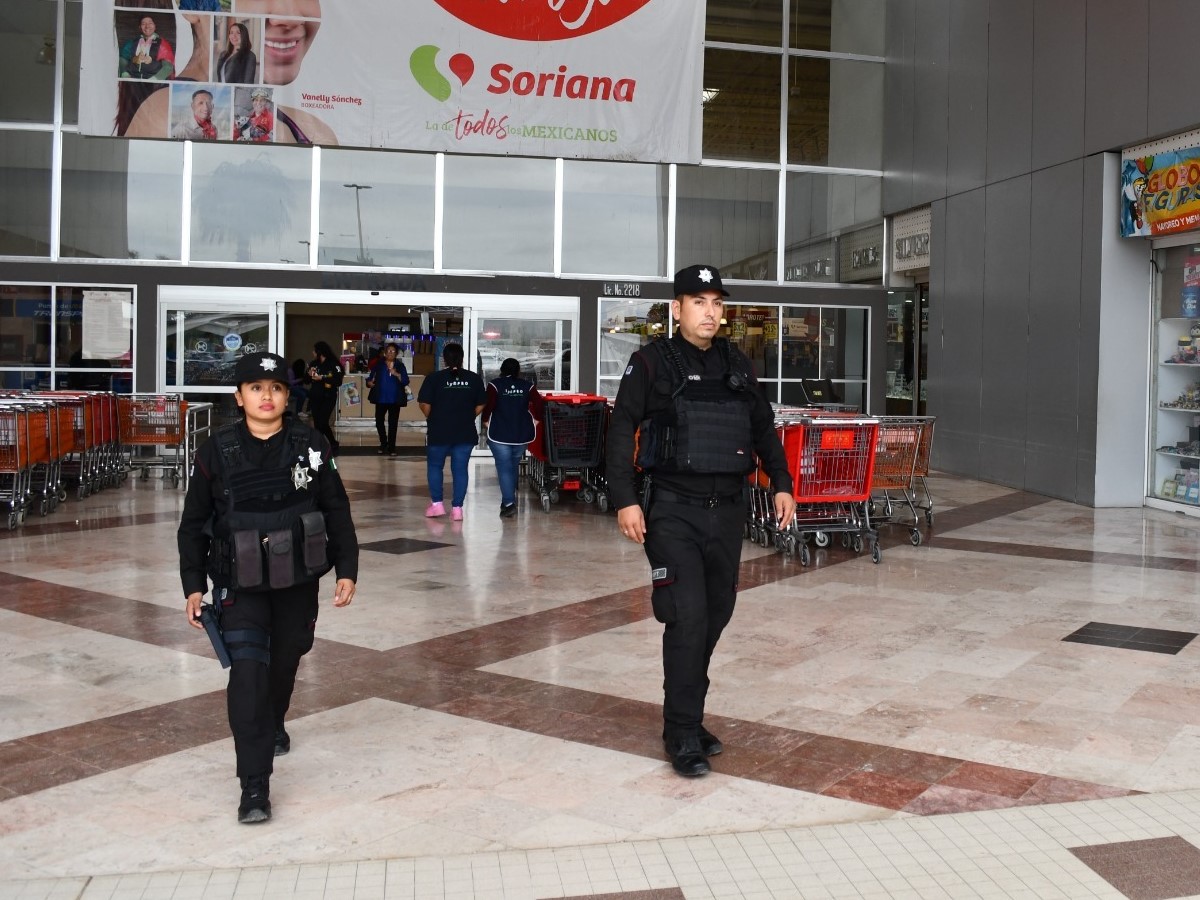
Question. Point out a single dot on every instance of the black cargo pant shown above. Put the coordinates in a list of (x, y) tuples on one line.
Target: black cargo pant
[(694, 554), (258, 695)]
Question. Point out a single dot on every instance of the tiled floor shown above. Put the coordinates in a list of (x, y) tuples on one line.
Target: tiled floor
[(1011, 709)]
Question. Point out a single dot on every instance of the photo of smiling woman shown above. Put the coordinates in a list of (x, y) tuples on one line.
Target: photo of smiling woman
[(288, 29), (237, 64)]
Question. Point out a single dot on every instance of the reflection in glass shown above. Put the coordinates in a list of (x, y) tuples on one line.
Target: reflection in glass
[(726, 217), (614, 218), (499, 214), (24, 325), (74, 28), (249, 208), (541, 346), (24, 192), (754, 330), (121, 199), (27, 34), (842, 27), (625, 327), (843, 343), (835, 113), (212, 343), (820, 208), (388, 218), (741, 105)]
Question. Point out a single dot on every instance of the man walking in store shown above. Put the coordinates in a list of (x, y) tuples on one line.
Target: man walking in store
[(693, 405)]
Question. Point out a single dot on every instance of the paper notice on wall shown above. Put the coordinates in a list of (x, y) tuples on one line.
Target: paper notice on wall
[(107, 324)]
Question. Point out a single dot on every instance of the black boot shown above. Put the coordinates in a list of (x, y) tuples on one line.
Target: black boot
[(256, 802), (283, 743)]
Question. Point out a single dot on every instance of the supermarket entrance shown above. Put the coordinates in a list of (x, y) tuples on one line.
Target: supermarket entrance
[(203, 331)]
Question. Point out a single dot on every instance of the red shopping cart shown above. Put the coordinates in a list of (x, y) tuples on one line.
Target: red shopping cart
[(567, 451)]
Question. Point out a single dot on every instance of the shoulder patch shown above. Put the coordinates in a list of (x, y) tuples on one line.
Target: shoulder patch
[(628, 369)]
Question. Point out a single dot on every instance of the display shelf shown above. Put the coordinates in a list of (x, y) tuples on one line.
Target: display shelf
[(1174, 472)]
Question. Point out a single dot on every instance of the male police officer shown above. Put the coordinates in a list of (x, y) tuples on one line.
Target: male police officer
[(265, 517), (693, 404)]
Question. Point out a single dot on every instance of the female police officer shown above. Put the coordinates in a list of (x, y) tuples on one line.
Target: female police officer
[(699, 418), (265, 517)]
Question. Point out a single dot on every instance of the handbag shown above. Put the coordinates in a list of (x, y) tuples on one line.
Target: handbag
[(373, 394)]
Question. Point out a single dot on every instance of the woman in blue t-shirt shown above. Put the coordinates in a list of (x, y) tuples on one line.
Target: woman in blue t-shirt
[(512, 405), (388, 391), (450, 399)]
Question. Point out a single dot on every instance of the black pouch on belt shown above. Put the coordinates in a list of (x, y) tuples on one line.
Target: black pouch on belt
[(281, 566), (247, 559), (312, 526)]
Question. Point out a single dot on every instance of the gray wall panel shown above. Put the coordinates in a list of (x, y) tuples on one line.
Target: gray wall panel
[(1117, 74), (1004, 349), (899, 101), (961, 339), (1059, 42), (1052, 390), (935, 385), (1010, 89), (1094, 185), (966, 154), (932, 52), (1169, 109)]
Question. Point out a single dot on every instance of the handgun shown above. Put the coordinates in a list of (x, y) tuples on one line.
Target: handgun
[(212, 626)]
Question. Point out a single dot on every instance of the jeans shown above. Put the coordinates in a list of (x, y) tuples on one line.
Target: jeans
[(508, 462), (435, 463)]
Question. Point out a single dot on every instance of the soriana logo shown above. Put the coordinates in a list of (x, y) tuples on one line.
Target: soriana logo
[(541, 20)]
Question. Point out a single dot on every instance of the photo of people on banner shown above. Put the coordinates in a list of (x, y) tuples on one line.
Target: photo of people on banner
[(552, 78), (206, 71)]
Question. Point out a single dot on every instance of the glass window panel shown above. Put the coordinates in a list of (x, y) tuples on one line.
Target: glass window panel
[(843, 26), (727, 218), (109, 214), (741, 105), (376, 209), (203, 336), (74, 28), (24, 193), (625, 327), (24, 325), (249, 204), (533, 343), (27, 30), (744, 22), (25, 380), (499, 214), (835, 113), (93, 328), (843, 343), (614, 218), (753, 330), (820, 209), (801, 329)]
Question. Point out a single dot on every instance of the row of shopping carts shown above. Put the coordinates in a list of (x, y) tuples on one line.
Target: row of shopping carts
[(852, 474), (54, 443)]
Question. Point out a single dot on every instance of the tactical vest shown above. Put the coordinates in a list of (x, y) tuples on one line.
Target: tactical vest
[(706, 429), (272, 534)]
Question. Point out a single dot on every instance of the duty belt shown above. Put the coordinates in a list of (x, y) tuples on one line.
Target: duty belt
[(710, 502)]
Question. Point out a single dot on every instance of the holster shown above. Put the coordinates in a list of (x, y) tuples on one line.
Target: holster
[(281, 564), (312, 527), (247, 559)]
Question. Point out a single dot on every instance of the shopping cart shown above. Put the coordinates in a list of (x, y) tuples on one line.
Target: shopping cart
[(830, 458), (900, 440), (568, 449), (921, 470), (15, 466), (153, 420)]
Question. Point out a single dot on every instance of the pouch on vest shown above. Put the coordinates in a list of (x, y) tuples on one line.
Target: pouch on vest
[(312, 526), (247, 559), (653, 442), (281, 565)]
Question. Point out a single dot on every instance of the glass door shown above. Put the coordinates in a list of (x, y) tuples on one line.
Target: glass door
[(540, 343), (202, 342)]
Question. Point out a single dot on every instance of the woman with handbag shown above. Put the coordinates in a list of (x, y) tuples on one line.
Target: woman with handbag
[(325, 377), (387, 389)]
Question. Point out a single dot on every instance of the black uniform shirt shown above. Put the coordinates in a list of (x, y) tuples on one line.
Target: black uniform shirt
[(637, 400), (206, 500)]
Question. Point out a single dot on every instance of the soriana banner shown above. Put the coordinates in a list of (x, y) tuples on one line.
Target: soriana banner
[(599, 79), (1160, 194)]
